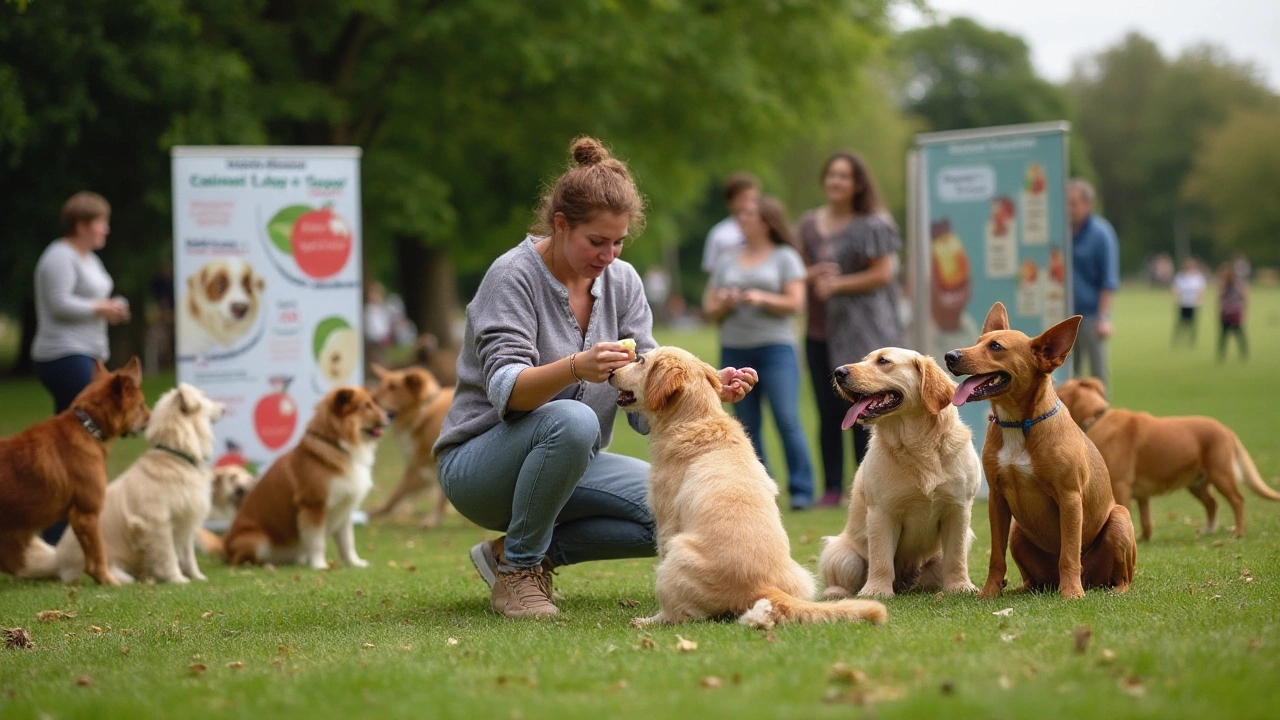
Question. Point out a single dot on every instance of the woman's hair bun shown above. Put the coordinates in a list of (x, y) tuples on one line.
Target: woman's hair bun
[(588, 151)]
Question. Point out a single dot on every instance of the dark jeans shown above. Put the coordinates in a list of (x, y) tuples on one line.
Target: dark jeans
[(1232, 328), (64, 378), (831, 412), (779, 371)]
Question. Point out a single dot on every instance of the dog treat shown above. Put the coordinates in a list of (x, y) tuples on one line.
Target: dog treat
[(629, 344)]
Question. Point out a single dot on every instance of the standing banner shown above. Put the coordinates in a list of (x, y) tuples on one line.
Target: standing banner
[(267, 290), (990, 224)]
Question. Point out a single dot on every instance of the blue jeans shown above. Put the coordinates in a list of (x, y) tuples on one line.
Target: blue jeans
[(779, 371), (542, 480), (64, 378)]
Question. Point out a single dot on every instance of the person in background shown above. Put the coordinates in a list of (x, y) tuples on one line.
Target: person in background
[(1188, 288), (159, 312), (1096, 268), (725, 236), (850, 246), (755, 295), (1233, 297), (74, 307), (378, 330)]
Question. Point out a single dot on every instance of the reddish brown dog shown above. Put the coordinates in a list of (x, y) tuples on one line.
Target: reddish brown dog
[(1051, 501), (1148, 455), (59, 467)]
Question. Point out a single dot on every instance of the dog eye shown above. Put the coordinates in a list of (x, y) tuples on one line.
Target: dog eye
[(640, 359), (995, 345), (882, 360)]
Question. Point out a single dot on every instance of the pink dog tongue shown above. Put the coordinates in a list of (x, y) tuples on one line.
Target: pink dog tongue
[(966, 389), (859, 408)]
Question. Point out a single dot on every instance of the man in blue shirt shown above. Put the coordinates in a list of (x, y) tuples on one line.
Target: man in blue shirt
[(1096, 277)]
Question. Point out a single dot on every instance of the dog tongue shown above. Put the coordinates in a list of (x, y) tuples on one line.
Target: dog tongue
[(858, 410), (966, 389)]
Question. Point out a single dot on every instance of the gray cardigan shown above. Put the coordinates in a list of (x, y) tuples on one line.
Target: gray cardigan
[(520, 318), (68, 285)]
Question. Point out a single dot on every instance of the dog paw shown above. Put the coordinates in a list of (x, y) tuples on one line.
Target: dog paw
[(358, 562), (989, 592), (835, 592), (961, 587), (200, 576), (1072, 593), (876, 591), (642, 622)]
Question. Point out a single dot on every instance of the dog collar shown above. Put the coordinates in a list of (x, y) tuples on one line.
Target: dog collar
[(90, 425), (327, 441), (1093, 420), (1026, 424), (174, 451)]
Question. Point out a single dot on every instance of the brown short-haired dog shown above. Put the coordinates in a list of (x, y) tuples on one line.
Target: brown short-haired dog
[(1148, 455), (1051, 500), (59, 467), (417, 405)]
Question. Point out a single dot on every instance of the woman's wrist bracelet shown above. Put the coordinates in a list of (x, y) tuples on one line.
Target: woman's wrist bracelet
[(573, 367)]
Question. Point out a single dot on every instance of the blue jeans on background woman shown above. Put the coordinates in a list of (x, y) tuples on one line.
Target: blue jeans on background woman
[(779, 369)]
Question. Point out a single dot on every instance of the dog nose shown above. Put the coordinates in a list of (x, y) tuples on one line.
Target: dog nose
[(239, 310), (841, 372), (952, 358)]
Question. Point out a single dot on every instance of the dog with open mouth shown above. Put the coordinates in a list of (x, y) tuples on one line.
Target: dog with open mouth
[(912, 496), (311, 491), (722, 549), (1051, 504)]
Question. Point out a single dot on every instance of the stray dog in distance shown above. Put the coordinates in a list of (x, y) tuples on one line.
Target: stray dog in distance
[(222, 303), (230, 484), (58, 468), (913, 493), (1148, 455), (152, 511), (417, 406), (1051, 503), (721, 546), (311, 491)]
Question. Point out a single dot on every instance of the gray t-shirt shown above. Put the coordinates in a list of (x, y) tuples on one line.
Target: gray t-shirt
[(748, 326), (520, 318), (67, 286)]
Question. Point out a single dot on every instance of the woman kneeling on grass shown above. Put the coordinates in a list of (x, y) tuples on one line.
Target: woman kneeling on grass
[(520, 451)]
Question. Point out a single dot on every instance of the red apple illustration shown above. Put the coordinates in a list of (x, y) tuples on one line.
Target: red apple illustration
[(233, 456), (276, 415), (321, 242)]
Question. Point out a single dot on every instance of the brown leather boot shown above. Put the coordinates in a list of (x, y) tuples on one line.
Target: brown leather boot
[(523, 593)]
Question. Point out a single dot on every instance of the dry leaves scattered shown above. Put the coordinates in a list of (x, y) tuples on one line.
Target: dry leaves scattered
[(54, 615), (646, 643), (235, 665), (1108, 656), (711, 681), (629, 603), (197, 669), (845, 675), (84, 681), (451, 641), (18, 639), (685, 646), (1003, 613), (1133, 685), (1083, 635)]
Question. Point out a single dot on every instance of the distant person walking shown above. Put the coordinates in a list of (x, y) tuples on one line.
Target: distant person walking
[(755, 295), (725, 236), (1096, 252), (1188, 288), (1233, 297), (850, 246)]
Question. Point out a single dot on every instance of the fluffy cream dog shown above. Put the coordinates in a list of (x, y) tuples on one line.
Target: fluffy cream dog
[(913, 494), (152, 511), (221, 304), (721, 545), (230, 484)]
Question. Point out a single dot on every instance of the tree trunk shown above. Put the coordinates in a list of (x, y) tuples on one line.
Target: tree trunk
[(428, 287)]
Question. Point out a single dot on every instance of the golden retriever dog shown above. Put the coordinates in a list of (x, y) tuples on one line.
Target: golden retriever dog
[(58, 468), (417, 406), (221, 305), (230, 484), (311, 491), (152, 511), (721, 546), (1148, 455), (912, 496)]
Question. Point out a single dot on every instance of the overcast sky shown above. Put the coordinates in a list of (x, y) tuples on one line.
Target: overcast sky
[(1061, 32)]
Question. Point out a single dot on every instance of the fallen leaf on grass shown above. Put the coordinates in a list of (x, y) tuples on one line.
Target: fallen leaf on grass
[(1216, 597), (1083, 634), (18, 639), (283, 649), (359, 593), (206, 615), (842, 673), (629, 603), (368, 646), (711, 681), (124, 650), (451, 641), (1255, 644), (411, 568), (1005, 682), (197, 669), (1219, 543), (1108, 656), (54, 615), (805, 538), (1009, 637), (646, 644), (958, 639), (235, 665), (84, 681), (1133, 685), (620, 685), (1003, 613), (948, 687), (685, 646)]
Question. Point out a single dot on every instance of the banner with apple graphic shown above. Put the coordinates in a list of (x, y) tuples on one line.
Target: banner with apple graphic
[(267, 271)]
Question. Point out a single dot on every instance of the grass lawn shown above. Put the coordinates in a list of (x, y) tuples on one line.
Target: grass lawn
[(1196, 636)]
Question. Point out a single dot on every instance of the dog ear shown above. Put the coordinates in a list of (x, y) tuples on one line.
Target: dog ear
[(378, 371), (663, 383), (936, 388), (343, 401), (415, 381), (1052, 346), (259, 283), (1094, 384), (185, 403), (99, 369), (997, 319), (133, 369)]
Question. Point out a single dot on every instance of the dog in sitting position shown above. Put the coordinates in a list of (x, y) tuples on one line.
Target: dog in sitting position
[(58, 468), (417, 406), (722, 549), (1051, 504), (152, 511), (913, 493), (230, 484), (1148, 455), (310, 492)]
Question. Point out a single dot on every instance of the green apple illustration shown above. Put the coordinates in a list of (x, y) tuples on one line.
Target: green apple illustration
[(280, 228), (336, 346)]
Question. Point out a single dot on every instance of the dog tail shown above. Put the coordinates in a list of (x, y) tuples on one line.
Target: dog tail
[(777, 607), (211, 543), (1246, 470), (39, 561)]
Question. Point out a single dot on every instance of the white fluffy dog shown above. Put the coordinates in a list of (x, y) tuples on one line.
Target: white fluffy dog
[(221, 304), (913, 494), (152, 511)]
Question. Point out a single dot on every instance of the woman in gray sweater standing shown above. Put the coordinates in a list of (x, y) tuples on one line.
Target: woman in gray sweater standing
[(521, 450)]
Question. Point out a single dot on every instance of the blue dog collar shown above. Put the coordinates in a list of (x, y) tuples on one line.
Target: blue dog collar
[(1026, 424)]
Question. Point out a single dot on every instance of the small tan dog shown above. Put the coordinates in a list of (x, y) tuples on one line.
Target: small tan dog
[(311, 491), (230, 484), (152, 511), (721, 545), (1051, 505), (1148, 455), (417, 405), (912, 496)]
